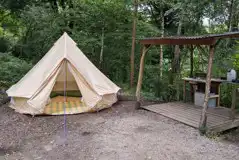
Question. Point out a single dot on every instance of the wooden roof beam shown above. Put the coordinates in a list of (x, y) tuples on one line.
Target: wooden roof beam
[(209, 41)]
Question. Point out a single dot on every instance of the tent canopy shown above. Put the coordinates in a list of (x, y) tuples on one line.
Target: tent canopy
[(64, 64)]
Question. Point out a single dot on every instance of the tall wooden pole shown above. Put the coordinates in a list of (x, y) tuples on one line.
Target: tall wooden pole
[(141, 71), (203, 120), (133, 43)]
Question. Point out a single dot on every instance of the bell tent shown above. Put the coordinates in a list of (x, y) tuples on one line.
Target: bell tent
[(64, 71)]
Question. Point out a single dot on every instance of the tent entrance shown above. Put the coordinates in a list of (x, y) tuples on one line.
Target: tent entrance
[(65, 97), (72, 105)]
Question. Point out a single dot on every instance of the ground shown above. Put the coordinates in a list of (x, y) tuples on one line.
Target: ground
[(118, 133)]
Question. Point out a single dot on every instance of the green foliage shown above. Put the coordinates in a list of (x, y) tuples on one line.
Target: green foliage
[(12, 69), (235, 59), (42, 28), (4, 44), (14, 5), (226, 95)]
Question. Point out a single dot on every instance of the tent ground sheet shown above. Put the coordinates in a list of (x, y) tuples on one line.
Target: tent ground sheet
[(68, 105)]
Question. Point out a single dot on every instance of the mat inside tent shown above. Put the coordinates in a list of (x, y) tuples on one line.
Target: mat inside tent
[(73, 105)]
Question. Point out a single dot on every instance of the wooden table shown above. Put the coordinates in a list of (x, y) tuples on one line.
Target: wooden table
[(199, 85)]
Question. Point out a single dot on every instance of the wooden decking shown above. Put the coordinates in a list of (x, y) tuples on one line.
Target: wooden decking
[(218, 119)]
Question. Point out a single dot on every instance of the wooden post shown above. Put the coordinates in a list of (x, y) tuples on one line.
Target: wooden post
[(234, 94), (141, 70), (203, 120), (191, 61), (192, 90)]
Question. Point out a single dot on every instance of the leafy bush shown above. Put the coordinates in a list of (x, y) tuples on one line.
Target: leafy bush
[(4, 44), (12, 69)]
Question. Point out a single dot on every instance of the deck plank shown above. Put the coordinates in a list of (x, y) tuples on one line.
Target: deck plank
[(169, 112), (195, 116), (218, 119), (189, 107), (195, 113)]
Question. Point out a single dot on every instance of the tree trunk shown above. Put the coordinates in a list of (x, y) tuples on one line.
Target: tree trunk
[(230, 16), (133, 43), (200, 61), (54, 5), (176, 63), (201, 52), (191, 60), (71, 22), (102, 45), (161, 46)]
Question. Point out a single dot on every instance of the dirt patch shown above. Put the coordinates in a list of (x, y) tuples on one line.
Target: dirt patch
[(120, 132)]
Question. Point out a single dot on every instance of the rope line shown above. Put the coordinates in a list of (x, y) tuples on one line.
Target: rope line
[(65, 81)]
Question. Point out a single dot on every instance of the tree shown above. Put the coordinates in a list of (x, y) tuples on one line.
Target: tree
[(133, 42), (159, 6)]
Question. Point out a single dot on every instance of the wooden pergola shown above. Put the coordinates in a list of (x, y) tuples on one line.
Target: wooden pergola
[(195, 41)]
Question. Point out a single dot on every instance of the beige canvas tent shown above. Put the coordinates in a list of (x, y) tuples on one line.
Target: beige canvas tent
[(63, 69)]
